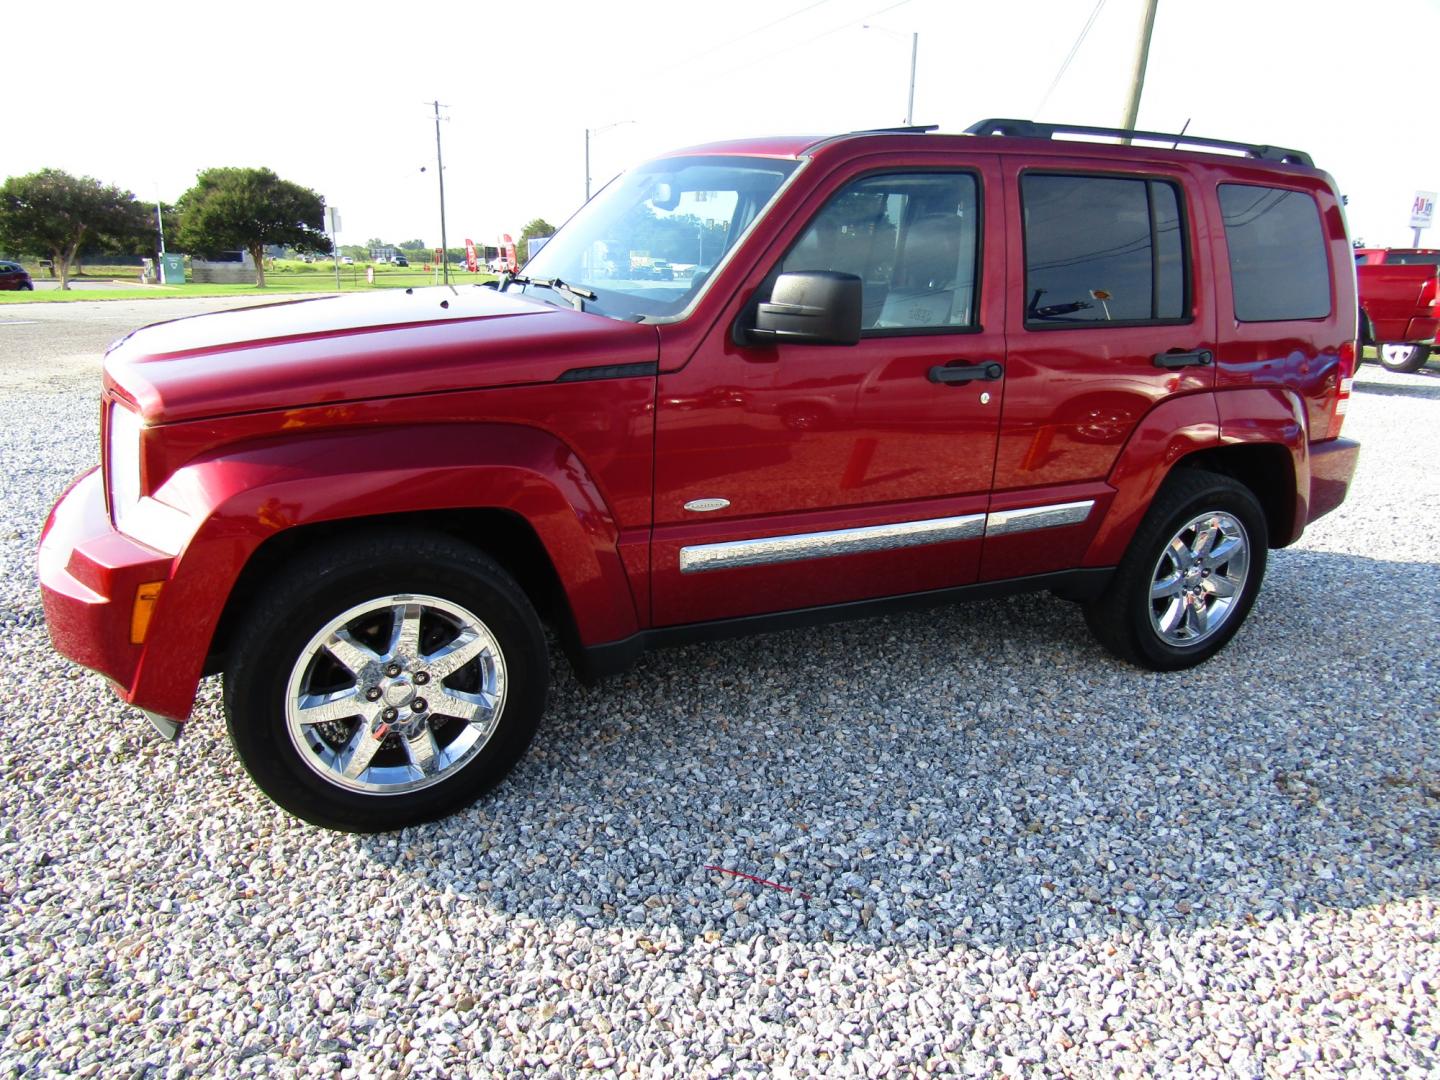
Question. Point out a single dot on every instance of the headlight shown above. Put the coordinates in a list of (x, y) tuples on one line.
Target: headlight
[(122, 464)]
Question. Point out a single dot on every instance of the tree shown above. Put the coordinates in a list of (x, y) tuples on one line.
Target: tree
[(537, 227), (51, 213), (412, 245), (233, 208)]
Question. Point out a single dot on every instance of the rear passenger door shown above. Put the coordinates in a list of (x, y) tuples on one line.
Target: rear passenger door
[(1109, 315)]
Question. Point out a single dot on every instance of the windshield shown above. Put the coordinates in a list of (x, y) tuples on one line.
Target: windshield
[(646, 244)]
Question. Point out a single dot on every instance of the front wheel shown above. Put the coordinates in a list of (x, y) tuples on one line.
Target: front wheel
[(1405, 359), (386, 682), (1189, 577)]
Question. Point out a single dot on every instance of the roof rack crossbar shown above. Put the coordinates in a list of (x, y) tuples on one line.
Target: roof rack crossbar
[(1032, 129)]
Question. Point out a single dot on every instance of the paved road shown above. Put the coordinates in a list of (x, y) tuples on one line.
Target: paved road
[(59, 346)]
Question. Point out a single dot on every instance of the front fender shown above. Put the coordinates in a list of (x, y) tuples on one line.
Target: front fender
[(235, 500)]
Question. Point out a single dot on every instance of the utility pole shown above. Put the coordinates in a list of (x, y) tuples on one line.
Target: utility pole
[(440, 172), (1137, 79)]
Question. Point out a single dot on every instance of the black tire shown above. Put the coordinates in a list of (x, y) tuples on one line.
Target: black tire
[(274, 652), (28, 286), (1125, 619), (1405, 362)]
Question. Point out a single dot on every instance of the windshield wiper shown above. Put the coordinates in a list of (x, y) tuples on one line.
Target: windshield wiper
[(577, 295)]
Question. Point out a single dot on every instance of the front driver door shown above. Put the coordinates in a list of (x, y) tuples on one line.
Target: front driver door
[(799, 475)]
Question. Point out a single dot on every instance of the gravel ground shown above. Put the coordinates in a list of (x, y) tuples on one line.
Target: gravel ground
[(1010, 853)]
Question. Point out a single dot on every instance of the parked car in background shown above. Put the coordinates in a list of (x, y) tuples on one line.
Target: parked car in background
[(923, 368), (400, 260), (14, 276), (1399, 306)]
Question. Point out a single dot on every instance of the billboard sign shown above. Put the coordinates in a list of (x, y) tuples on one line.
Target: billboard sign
[(1422, 210)]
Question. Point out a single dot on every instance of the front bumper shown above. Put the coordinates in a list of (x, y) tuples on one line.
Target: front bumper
[(1332, 466), (89, 574)]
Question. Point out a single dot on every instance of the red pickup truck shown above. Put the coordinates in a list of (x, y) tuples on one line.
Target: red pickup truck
[(903, 368), (1399, 309)]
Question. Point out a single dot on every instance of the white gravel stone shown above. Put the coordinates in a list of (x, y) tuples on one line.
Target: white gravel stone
[(1018, 854)]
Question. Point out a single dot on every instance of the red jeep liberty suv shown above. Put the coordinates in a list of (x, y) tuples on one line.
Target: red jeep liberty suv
[(881, 369)]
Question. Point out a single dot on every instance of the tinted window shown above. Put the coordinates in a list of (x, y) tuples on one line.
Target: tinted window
[(911, 238), (1101, 249), (1277, 253), (1413, 258)]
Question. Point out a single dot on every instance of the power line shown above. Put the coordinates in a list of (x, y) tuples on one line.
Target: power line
[(687, 61), (1070, 56), (823, 34)]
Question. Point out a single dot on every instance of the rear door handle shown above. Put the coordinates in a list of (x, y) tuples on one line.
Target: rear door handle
[(963, 371), (1176, 358)]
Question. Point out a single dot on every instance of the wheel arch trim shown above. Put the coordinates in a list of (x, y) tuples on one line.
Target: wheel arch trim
[(239, 499)]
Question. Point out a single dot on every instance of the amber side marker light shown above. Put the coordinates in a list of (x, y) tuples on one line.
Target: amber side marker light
[(146, 596)]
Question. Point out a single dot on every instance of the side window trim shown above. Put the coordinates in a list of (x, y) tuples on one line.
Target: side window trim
[(1182, 210)]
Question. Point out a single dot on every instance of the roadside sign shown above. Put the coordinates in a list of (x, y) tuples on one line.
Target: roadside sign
[(334, 213), (471, 262), (172, 269), (1422, 210)]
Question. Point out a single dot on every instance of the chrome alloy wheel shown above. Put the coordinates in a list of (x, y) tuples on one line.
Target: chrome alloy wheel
[(1199, 578), (395, 694)]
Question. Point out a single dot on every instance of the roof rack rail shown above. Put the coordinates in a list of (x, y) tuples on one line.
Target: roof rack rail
[(901, 129), (1032, 129)]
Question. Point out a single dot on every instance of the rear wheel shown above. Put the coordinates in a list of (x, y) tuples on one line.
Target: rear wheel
[(1403, 358), (1189, 577), (386, 682)]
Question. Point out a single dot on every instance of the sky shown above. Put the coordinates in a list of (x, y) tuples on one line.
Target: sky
[(336, 96)]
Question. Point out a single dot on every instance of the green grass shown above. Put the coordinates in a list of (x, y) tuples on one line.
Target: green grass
[(289, 276)]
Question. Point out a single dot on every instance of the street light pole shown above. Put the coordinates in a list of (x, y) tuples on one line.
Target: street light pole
[(588, 133), (440, 172), (910, 105), (914, 53)]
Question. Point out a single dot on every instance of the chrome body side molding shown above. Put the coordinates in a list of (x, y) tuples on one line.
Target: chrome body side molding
[(904, 534), (1005, 522), (820, 545)]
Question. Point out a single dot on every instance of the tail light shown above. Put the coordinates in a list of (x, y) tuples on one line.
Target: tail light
[(1345, 372)]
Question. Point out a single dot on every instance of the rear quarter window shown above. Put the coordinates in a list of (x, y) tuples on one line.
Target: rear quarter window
[(1278, 268)]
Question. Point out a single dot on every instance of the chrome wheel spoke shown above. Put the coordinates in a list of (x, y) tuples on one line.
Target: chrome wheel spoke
[(360, 751), (1218, 585), (1225, 551), (451, 658), (327, 708), (1204, 540), (1173, 615), (1180, 554), (1168, 586), (405, 636), (349, 653), (472, 708), (1197, 619), (423, 750)]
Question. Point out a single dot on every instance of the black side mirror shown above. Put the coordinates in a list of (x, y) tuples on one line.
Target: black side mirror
[(814, 307)]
